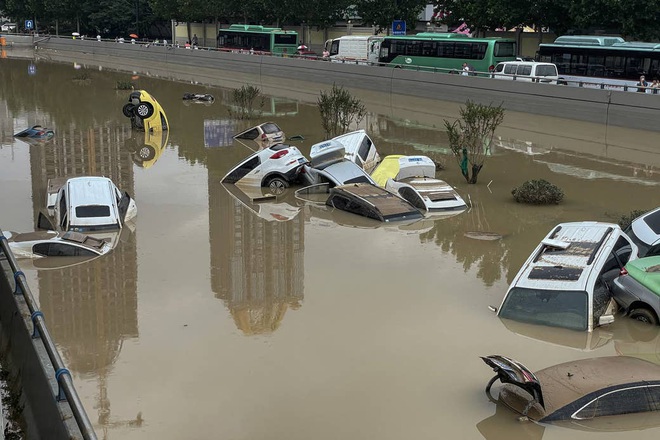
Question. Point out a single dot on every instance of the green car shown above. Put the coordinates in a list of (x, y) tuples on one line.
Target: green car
[(637, 289)]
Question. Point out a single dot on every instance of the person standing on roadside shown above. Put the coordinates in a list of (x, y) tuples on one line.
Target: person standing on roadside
[(194, 41), (642, 84)]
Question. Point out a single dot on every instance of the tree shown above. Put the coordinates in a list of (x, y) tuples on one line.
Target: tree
[(470, 136), (339, 109)]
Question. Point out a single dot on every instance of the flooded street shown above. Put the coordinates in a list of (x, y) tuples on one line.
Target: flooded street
[(212, 319)]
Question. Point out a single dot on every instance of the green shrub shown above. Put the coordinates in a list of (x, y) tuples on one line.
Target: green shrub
[(538, 192), (246, 102), (125, 85), (339, 109), (626, 219)]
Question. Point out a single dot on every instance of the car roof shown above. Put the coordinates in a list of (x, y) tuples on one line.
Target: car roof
[(90, 191), (551, 266), (564, 383), (647, 227)]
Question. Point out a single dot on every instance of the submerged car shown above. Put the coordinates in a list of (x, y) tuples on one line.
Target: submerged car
[(637, 289), (275, 167), (360, 149), (53, 244), (264, 135), (564, 282), (645, 233), (36, 132), (413, 179), (579, 390), (87, 204), (202, 98), (372, 201), (145, 112), (330, 166)]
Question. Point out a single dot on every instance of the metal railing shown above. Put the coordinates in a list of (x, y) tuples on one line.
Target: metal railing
[(66, 389)]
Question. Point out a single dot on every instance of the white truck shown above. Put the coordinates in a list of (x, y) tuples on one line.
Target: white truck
[(359, 49)]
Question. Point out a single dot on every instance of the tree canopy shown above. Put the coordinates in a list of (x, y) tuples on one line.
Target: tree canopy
[(634, 19)]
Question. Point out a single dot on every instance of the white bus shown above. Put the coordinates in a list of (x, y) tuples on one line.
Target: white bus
[(354, 48)]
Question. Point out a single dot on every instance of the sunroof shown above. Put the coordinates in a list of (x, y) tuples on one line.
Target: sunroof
[(557, 273)]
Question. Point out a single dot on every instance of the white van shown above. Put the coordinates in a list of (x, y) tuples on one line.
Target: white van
[(529, 71), (354, 48)]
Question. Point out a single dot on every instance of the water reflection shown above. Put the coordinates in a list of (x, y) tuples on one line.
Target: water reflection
[(257, 258), (145, 147)]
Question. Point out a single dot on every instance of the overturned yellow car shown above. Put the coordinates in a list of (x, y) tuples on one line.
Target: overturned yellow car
[(145, 112)]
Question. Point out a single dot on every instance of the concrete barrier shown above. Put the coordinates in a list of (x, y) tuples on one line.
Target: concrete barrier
[(618, 108), (29, 367)]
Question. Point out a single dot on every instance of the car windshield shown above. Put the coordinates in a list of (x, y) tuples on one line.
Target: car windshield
[(270, 128), (568, 309)]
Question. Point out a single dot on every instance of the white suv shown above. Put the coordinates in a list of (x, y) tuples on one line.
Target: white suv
[(565, 281)]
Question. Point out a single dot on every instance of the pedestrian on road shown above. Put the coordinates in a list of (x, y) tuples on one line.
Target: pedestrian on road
[(194, 40), (642, 84)]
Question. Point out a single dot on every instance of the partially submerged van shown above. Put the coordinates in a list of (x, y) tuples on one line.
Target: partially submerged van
[(530, 71)]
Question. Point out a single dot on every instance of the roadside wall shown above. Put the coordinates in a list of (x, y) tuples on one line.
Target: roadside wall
[(611, 108), (30, 369)]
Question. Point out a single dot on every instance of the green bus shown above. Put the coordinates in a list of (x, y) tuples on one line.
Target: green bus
[(602, 60), (260, 39), (445, 52)]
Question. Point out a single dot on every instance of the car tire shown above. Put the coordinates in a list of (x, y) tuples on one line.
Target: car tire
[(144, 110), (644, 315), (128, 110), (277, 185), (146, 153)]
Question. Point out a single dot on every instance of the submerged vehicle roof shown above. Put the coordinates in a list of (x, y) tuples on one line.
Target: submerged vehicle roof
[(372, 201), (400, 167)]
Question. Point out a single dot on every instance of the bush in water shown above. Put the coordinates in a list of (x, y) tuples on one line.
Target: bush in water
[(339, 109), (538, 192)]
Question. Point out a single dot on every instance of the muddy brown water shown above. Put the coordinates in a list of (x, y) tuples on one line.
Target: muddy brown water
[(212, 319)]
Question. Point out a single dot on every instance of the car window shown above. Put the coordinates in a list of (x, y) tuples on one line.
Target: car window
[(63, 210), (654, 397), (239, 172), (345, 204), (412, 196), (91, 211), (250, 134), (359, 179), (510, 69), (545, 70), (629, 400), (555, 308), (499, 67), (60, 250), (525, 70), (270, 128), (365, 146)]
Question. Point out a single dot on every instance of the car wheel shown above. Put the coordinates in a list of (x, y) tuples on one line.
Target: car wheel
[(128, 110), (144, 110), (277, 185), (146, 153), (644, 315)]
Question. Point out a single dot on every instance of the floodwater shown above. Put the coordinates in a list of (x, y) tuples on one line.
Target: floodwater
[(212, 319)]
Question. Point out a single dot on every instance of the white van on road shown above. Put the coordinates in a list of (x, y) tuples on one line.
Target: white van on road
[(530, 71), (354, 48)]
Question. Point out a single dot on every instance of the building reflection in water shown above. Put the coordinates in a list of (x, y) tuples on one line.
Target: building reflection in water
[(257, 258), (91, 308)]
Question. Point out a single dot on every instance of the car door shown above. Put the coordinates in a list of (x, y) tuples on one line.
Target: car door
[(632, 399)]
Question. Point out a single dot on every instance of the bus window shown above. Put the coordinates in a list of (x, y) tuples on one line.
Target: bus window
[(288, 39), (446, 50), (504, 49), (634, 67), (614, 66), (596, 65)]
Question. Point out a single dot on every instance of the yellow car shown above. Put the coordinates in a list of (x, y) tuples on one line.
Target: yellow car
[(145, 112)]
